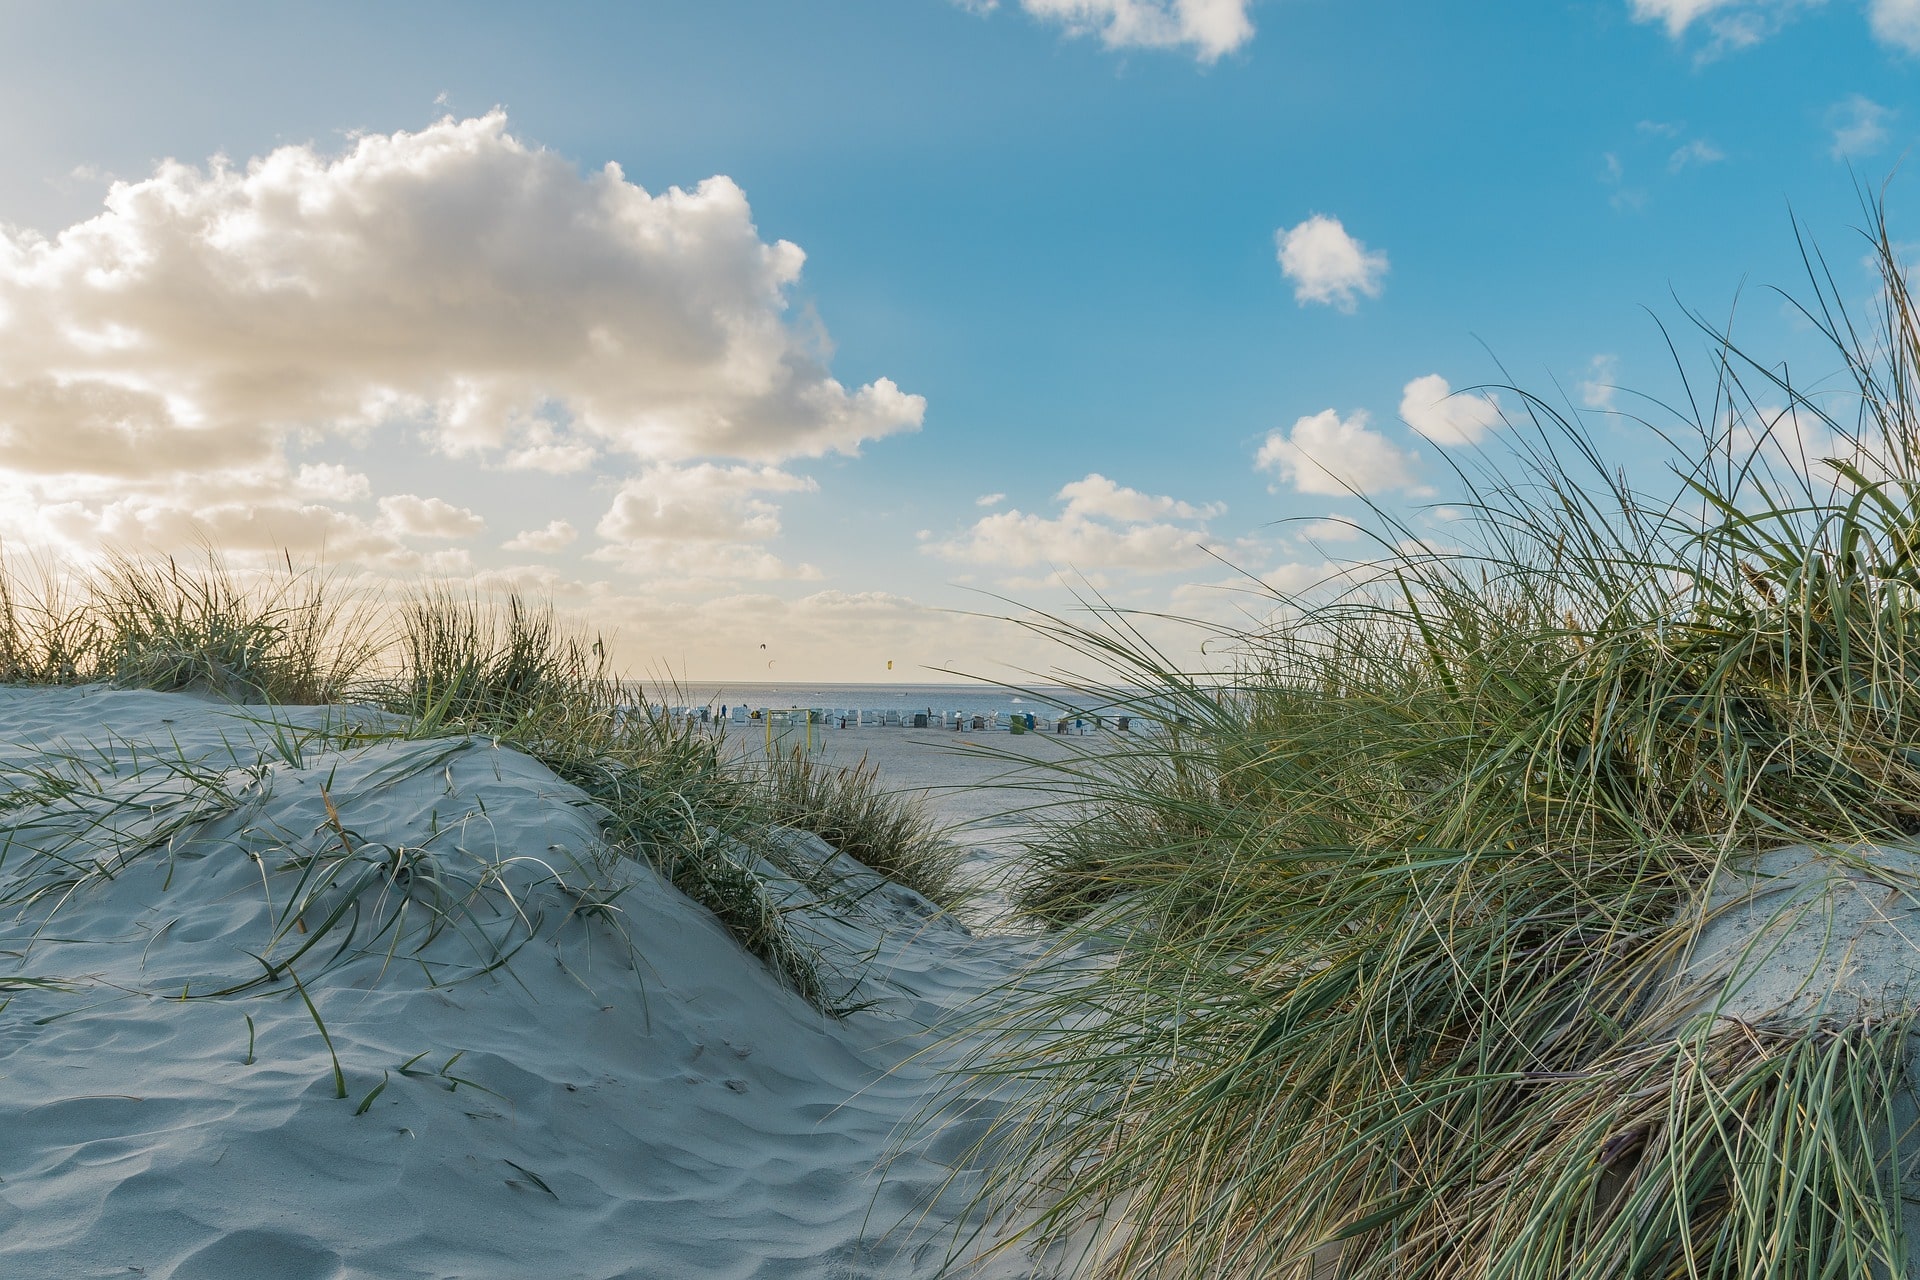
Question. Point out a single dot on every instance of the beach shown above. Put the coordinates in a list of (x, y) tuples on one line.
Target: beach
[(989, 790)]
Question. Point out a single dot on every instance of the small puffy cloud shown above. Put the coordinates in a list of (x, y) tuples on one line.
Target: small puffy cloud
[(1095, 495), (1678, 15), (1613, 173), (989, 499), (1599, 388), (1794, 439), (1446, 417), (330, 482), (556, 535), (1859, 124), (700, 521), (543, 446), (1210, 28), (1101, 525), (1327, 454), (411, 516), (1327, 265), (1331, 529), (1736, 24), (1693, 155), (1897, 23), (1662, 143)]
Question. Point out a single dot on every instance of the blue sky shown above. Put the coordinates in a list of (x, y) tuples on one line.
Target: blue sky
[(410, 322)]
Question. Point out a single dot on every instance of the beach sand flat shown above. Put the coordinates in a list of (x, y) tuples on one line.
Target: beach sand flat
[(628, 1095)]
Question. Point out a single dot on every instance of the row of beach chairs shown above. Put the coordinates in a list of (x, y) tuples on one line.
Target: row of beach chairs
[(960, 721)]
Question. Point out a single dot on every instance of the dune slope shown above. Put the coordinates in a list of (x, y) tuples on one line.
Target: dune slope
[(552, 1062)]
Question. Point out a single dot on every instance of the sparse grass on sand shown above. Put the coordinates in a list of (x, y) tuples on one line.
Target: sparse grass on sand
[(1390, 910), (852, 810), (447, 664)]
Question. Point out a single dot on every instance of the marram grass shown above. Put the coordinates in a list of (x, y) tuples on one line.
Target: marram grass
[(1389, 913), (446, 665)]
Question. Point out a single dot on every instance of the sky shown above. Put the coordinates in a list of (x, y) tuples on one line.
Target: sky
[(792, 340)]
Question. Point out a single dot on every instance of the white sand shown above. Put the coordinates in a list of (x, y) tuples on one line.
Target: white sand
[(644, 1100), (1803, 934)]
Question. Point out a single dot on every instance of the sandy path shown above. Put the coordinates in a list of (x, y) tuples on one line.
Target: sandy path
[(986, 788)]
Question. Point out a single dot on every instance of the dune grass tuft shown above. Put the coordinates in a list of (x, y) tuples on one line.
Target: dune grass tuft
[(849, 808), (273, 637), (1391, 907)]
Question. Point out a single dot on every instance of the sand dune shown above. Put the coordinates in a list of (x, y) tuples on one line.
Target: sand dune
[(578, 1072)]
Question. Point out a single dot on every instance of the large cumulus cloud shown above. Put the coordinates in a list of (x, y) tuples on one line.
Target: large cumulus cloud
[(210, 322)]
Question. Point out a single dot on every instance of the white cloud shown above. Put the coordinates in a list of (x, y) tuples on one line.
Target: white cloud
[(1736, 24), (1859, 123), (411, 516), (1678, 15), (249, 517), (1896, 22), (1327, 454), (989, 499), (1210, 28), (1328, 265), (454, 275), (164, 354), (1447, 418), (556, 535), (542, 446), (1101, 525), (702, 519), (1614, 174), (1694, 154), (1095, 495), (1794, 439), (1331, 529), (699, 502), (329, 482), (1599, 388)]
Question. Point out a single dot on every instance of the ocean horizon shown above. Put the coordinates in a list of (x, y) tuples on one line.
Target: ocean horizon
[(977, 698)]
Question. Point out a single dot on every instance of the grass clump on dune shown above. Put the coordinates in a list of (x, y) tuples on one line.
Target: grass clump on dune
[(1394, 909), (151, 624), (447, 663), (849, 809)]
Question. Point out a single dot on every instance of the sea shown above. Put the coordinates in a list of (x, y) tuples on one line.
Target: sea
[(971, 699)]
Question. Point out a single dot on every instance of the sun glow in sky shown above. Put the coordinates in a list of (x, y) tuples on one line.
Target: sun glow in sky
[(824, 326)]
